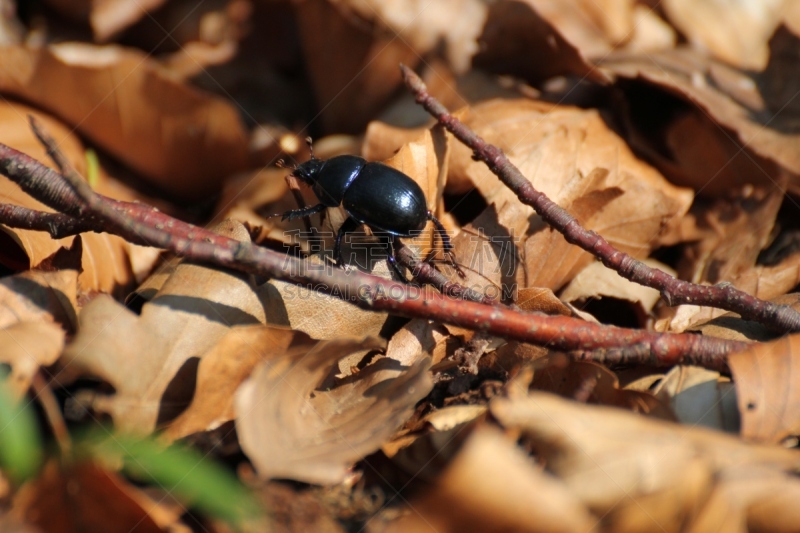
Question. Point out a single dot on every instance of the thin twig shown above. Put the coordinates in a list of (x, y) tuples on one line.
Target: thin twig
[(673, 291), (56, 224)]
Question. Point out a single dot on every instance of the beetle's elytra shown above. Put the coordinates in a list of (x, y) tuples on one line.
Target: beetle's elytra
[(373, 194)]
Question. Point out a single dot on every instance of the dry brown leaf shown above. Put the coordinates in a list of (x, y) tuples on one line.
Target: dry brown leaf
[(766, 376), (85, 497), (725, 129), (519, 39), (291, 429), (594, 27), (427, 26), (737, 229), (491, 485), (425, 161), (513, 355), (733, 31), (596, 384), (758, 499), (541, 300), (418, 336), (353, 80), (39, 296), (109, 17), (650, 32), (609, 457), (572, 156), (700, 397), (770, 282), (170, 133), (539, 39), (596, 281), (223, 368), (151, 360), (425, 446), (319, 315), (35, 310), (26, 346), (382, 140), (767, 283), (105, 259)]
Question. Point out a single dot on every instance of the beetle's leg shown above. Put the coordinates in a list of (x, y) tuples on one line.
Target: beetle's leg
[(304, 212), (447, 244), (347, 226), (392, 259)]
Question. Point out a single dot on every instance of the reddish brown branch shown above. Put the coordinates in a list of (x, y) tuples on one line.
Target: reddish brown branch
[(673, 291), (72, 195), (56, 224)]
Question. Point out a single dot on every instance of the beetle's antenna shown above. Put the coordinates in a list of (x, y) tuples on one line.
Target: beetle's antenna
[(310, 147)]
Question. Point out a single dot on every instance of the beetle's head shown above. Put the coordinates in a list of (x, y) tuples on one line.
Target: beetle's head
[(307, 172)]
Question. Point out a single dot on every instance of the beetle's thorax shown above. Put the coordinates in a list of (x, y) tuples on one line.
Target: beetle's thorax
[(307, 172)]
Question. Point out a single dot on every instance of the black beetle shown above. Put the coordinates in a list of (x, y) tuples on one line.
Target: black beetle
[(373, 194)]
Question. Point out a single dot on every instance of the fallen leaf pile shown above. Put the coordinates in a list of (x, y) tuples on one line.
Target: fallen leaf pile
[(146, 392)]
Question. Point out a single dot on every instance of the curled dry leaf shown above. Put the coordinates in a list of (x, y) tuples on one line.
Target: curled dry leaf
[(290, 429), (35, 309), (490, 485), (766, 376), (616, 462), (151, 360), (223, 368), (573, 157), (725, 129), (172, 134)]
